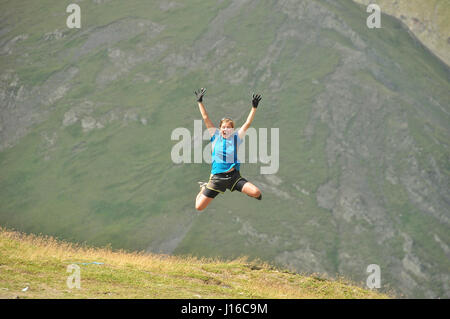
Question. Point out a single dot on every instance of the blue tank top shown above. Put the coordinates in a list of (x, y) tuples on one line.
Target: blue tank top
[(224, 152)]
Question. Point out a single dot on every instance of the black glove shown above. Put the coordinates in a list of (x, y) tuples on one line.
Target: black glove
[(255, 100), (200, 94)]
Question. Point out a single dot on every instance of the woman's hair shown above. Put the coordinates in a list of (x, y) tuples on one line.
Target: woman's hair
[(226, 120)]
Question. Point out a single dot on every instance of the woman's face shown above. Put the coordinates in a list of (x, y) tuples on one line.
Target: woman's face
[(226, 129)]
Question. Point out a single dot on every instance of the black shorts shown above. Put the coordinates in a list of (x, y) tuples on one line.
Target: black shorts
[(219, 183)]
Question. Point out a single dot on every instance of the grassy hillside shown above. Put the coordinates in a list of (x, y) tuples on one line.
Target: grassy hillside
[(87, 116), (40, 263)]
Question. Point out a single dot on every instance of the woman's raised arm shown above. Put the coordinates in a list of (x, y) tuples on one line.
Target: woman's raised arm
[(255, 101), (209, 124)]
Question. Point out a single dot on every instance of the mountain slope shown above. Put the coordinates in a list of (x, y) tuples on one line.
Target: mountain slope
[(363, 116), (427, 20)]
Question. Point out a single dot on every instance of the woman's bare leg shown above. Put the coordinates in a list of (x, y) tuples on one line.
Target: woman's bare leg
[(201, 201), (251, 190)]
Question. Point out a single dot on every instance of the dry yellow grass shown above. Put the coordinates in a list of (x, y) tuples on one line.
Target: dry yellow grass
[(40, 263)]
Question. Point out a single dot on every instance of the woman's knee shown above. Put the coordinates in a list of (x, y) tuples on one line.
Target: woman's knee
[(256, 192), (251, 190), (200, 205), (202, 202)]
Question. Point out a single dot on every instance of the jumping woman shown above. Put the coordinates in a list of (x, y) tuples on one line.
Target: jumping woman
[(225, 165)]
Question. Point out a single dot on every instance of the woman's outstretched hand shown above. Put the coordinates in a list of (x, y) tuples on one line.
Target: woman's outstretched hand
[(199, 94), (255, 99)]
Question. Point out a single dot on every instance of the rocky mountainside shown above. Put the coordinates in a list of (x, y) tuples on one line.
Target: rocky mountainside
[(86, 117)]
